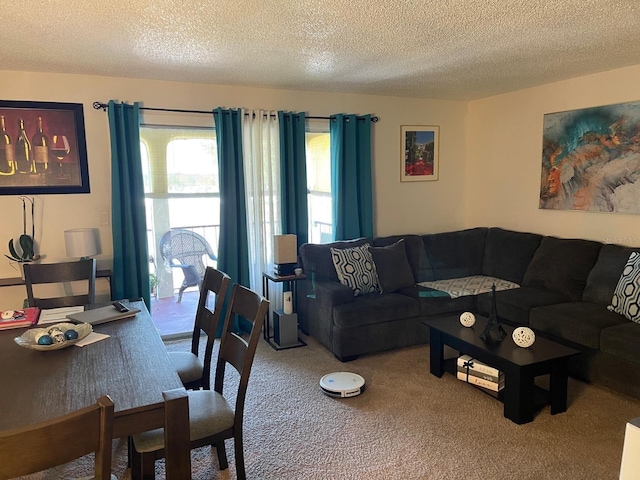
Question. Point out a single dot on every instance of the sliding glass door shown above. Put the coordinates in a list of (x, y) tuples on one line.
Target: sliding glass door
[(180, 169)]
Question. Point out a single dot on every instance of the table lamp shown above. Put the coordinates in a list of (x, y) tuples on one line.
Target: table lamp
[(81, 242), (285, 254)]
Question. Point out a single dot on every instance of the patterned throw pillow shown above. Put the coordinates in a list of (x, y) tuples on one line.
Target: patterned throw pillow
[(626, 296), (355, 268)]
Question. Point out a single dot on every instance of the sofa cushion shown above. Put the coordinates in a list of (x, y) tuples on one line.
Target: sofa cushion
[(507, 254), (392, 267), (355, 268), (374, 308), (622, 341), (604, 275), (562, 266), (473, 285), (578, 322), (513, 306), (626, 296), (456, 254), (416, 254), (436, 302), (316, 258)]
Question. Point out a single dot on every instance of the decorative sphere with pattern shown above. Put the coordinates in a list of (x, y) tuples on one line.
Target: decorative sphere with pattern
[(467, 319), (524, 337)]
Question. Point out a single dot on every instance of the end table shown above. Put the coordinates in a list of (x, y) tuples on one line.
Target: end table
[(288, 280)]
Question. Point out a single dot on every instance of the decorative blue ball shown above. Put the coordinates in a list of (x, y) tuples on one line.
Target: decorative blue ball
[(45, 340), (70, 334)]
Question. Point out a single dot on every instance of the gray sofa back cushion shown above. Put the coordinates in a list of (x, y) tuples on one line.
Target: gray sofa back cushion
[(456, 254), (418, 261), (316, 259), (604, 275), (507, 254), (562, 266)]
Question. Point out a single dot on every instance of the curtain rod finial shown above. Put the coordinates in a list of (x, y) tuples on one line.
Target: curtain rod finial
[(100, 105)]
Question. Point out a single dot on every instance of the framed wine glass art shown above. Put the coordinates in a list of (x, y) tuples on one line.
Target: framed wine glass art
[(419, 147), (42, 148)]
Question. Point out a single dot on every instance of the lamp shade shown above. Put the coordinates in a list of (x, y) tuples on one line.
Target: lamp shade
[(285, 248), (81, 242)]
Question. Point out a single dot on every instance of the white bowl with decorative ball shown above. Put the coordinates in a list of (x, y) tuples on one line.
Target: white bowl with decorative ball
[(467, 319), (524, 337)]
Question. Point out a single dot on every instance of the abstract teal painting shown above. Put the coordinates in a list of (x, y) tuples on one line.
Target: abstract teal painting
[(591, 159)]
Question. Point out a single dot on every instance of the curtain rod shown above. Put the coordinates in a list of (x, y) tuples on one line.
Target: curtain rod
[(103, 107)]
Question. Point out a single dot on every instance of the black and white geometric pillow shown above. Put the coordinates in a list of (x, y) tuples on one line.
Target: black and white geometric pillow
[(355, 268), (626, 296)]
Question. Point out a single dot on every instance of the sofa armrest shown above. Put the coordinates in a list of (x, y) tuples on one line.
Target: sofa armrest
[(326, 295)]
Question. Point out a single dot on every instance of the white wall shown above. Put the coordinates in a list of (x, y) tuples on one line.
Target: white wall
[(399, 207), (504, 148)]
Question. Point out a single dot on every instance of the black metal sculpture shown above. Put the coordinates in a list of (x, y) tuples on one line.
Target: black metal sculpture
[(493, 332)]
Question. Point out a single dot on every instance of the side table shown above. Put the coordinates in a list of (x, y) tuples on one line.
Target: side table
[(291, 281)]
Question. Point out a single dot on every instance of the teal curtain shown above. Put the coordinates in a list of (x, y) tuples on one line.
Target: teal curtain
[(293, 175), (351, 182), (233, 246), (130, 273)]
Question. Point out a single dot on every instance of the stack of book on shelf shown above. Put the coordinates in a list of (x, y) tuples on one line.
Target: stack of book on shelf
[(19, 318), (477, 373)]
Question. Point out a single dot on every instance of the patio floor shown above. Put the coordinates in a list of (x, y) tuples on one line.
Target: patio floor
[(175, 319)]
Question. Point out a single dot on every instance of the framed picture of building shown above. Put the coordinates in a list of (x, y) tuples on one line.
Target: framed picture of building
[(419, 153), (42, 148)]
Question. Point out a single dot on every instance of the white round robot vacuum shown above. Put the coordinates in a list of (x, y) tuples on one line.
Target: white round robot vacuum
[(342, 384)]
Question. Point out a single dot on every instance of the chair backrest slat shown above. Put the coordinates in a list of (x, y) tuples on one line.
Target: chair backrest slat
[(215, 283), (50, 273), (238, 351), (58, 441)]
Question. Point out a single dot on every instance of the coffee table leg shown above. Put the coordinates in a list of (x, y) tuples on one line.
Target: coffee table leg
[(518, 396), (558, 386), (436, 353)]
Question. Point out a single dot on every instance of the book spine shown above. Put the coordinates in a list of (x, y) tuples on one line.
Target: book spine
[(481, 382), (473, 364), (486, 376)]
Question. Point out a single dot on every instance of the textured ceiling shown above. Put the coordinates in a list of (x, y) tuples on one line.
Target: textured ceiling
[(447, 49)]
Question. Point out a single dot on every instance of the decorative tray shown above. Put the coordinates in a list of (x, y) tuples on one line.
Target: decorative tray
[(29, 339)]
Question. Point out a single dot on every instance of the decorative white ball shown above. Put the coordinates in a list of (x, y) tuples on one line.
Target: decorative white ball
[(524, 337), (467, 319)]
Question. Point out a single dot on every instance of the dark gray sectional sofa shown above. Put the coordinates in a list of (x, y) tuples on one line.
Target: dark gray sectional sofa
[(565, 288)]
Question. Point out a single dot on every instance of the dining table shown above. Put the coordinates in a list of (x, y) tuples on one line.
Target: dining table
[(131, 366)]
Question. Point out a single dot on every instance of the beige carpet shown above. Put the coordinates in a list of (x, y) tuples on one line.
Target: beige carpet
[(408, 424)]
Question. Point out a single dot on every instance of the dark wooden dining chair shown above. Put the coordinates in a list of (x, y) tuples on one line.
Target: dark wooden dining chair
[(194, 371), (212, 418), (58, 273), (58, 441)]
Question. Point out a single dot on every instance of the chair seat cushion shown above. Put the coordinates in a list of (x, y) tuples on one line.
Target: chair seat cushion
[(209, 414), (188, 366)]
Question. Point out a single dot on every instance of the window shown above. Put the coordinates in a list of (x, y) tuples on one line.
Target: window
[(319, 182)]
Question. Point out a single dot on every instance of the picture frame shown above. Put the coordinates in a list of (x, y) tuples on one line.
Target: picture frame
[(43, 148), (590, 159), (419, 153)]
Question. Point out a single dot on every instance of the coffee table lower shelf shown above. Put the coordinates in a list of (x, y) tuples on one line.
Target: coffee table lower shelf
[(540, 395)]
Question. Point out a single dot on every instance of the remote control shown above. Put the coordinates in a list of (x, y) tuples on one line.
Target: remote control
[(120, 307)]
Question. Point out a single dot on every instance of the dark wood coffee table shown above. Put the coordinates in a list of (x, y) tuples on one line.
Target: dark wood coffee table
[(520, 365)]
